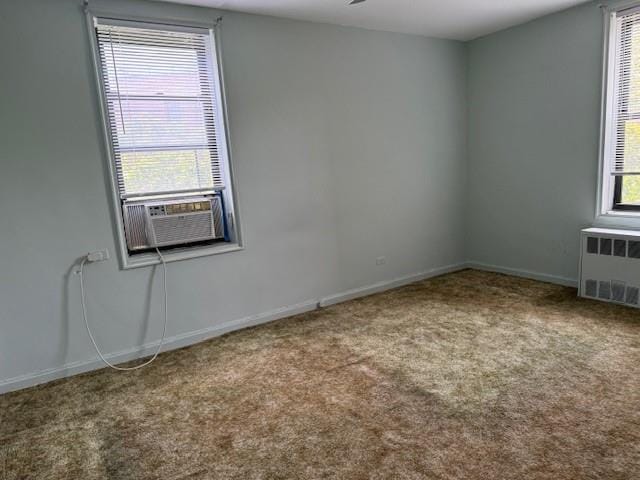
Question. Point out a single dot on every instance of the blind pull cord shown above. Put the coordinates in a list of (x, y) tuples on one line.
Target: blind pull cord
[(115, 72)]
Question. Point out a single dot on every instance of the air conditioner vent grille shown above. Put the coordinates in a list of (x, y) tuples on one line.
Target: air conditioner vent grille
[(218, 222), (182, 228), (136, 232)]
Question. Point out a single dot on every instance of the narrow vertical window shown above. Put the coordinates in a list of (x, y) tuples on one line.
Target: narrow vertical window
[(165, 123), (622, 154)]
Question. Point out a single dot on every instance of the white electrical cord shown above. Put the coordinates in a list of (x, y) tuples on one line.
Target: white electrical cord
[(93, 340)]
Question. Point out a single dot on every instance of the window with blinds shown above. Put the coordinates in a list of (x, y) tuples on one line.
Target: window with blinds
[(160, 94), (624, 118)]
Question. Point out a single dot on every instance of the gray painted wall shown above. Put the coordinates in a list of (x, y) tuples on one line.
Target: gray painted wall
[(534, 112), (347, 144)]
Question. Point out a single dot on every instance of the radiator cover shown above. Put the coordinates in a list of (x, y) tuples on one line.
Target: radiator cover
[(610, 266)]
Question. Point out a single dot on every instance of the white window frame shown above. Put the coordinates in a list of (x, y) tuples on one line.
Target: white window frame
[(605, 215), (127, 260)]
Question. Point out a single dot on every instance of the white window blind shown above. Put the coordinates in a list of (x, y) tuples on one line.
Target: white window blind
[(160, 93), (626, 115)]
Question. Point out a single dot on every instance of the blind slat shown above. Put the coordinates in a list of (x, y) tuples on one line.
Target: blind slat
[(161, 106)]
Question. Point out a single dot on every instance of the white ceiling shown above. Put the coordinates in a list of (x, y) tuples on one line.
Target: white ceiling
[(453, 19)]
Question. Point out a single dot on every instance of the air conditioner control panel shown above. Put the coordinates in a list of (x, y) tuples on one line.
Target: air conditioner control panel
[(156, 210), (179, 208)]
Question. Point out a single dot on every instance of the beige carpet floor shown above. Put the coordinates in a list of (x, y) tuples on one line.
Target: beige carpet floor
[(468, 376)]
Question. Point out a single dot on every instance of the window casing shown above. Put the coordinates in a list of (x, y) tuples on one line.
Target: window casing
[(621, 154), (163, 106)]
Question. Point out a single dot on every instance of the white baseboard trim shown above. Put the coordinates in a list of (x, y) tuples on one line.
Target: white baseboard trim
[(389, 284), (190, 338), (543, 277), (171, 343)]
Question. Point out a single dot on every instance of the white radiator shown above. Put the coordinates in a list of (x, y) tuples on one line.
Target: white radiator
[(610, 265)]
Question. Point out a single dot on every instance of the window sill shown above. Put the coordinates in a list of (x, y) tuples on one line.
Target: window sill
[(149, 259), (618, 218)]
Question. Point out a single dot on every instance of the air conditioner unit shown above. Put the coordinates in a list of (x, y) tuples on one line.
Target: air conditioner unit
[(162, 223), (610, 266)]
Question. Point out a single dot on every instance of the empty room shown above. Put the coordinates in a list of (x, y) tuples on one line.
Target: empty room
[(319, 239)]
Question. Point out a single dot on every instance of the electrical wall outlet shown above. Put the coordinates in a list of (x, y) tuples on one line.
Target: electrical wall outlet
[(381, 260), (98, 256)]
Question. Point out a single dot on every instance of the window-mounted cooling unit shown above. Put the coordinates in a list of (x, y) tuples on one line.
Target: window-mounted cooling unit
[(162, 223), (610, 266)]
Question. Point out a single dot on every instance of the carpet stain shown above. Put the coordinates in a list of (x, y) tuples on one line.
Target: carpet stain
[(472, 375)]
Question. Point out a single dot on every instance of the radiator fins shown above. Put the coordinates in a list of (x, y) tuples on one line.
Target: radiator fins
[(614, 291), (615, 247)]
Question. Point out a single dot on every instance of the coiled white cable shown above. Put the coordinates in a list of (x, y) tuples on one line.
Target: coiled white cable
[(86, 322)]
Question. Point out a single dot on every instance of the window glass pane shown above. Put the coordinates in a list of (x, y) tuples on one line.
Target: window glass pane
[(160, 94), (627, 111), (145, 70), (632, 64), (163, 171), (160, 123), (632, 144), (630, 189), (630, 106)]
